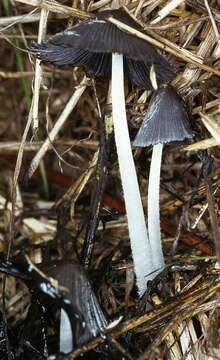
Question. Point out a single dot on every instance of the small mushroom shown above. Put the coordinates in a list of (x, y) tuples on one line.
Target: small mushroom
[(166, 121), (102, 49), (72, 276), (81, 317)]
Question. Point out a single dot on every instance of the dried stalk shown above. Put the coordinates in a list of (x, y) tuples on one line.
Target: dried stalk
[(56, 7), (60, 122)]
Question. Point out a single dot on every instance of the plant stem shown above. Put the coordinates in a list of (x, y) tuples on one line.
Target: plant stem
[(20, 65), (154, 207), (140, 245)]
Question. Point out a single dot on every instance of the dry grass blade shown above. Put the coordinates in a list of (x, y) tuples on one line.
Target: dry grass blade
[(34, 145), (75, 190), (213, 219), (60, 122), (212, 126), (191, 74), (56, 7), (212, 21), (16, 175), (38, 71), (171, 48), (166, 46), (21, 19), (15, 75), (172, 343), (182, 306), (171, 5), (201, 145)]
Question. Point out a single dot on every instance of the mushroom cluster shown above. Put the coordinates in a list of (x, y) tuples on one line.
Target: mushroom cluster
[(105, 51)]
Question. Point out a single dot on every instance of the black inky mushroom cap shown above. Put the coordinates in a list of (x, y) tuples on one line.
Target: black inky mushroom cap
[(72, 276), (91, 43), (166, 119)]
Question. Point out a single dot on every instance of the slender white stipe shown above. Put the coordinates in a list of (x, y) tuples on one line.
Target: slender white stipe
[(66, 336), (140, 245), (154, 208)]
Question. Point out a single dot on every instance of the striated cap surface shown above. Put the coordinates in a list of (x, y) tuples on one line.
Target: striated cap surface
[(91, 43), (166, 119)]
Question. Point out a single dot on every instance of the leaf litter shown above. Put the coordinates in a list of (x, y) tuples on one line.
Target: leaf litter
[(83, 220)]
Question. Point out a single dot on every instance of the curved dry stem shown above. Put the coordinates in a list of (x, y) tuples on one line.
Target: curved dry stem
[(60, 122)]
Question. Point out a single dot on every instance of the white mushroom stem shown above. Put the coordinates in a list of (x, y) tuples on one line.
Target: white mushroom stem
[(154, 208), (66, 336), (140, 245)]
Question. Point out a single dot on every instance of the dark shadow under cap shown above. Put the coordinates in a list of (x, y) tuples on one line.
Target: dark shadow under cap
[(166, 119), (91, 43)]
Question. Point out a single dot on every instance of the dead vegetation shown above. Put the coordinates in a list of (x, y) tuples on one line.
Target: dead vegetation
[(55, 194)]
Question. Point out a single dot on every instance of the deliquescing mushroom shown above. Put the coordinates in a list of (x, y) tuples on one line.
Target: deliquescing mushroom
[(72, 276), (103, 49), (81, 317), (166, 121)]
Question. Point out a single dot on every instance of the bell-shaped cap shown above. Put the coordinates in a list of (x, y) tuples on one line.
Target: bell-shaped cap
[(72, 276), (91, 43), (166, 119)]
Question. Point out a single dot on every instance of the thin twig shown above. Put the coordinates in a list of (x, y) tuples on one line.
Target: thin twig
[(212, 20), (10, 21), (199, 294), (171, 5), (168, 47), (38, 70), (56, 7), (60, 122)]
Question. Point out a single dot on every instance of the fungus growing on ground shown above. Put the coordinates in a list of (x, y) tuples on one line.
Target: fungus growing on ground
[(166, 121), (81, 317), (72, 276), (103, 49)]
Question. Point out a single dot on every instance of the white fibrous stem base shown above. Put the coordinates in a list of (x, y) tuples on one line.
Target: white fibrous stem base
[(66, 336), (140, 245), (154, 208)]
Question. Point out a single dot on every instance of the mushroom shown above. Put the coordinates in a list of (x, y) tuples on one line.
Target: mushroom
[(103, 49), (166, 121), (81, 317), (72, 276)]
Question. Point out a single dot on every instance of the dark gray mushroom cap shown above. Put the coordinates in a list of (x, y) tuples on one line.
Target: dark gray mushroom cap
[(73, 277), (91, 43), (166, 119)]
